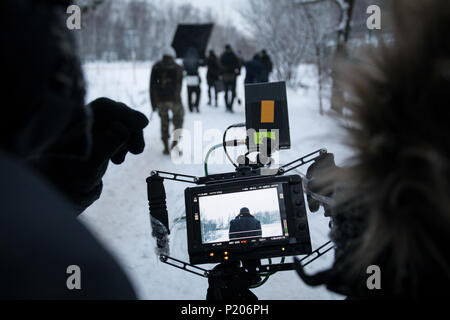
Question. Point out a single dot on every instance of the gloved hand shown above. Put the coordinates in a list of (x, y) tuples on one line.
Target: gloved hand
[(321, 174), (116, 130)]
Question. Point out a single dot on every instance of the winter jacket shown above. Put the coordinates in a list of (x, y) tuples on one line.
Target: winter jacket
[(244, 227), (191, 66), (214, 70), (268, 67), (231, 66), (43, 245), (166, 82), (41, 238), (254, 71)]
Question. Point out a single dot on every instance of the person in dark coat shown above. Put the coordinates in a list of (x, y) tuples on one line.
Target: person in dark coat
[(268, 65), (213, 75), (244, 226), (255, 70), (231, 69), (166, 81), (191, 63), (54, 152)]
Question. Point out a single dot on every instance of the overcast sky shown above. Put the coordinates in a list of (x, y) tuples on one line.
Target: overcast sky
[(229, 204)]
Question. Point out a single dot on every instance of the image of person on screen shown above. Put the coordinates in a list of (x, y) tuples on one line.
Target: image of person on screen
[(244, 226)]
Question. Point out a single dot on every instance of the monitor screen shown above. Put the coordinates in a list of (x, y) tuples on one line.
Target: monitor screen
[(252, 214), (246, 219)]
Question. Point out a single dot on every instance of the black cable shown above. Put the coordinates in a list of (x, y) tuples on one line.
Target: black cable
[(237, 125), (234, 143)]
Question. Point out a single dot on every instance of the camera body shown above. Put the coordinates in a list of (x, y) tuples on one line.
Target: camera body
[(246, 217)]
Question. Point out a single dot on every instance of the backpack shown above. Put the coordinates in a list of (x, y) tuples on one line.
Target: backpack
[(191, 66), (166, 81), (229, 62)]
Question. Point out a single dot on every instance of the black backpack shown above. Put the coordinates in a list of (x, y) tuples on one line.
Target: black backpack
[(166, 81), (229, 62), (191, 66)]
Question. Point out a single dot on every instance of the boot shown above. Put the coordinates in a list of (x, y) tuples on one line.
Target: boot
[(176, 148), (166, 148)]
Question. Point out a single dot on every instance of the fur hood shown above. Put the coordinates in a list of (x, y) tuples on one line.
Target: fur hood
[(400, 130)]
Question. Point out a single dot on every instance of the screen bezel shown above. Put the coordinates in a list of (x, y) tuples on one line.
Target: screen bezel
[(198, 250), (242, 189)]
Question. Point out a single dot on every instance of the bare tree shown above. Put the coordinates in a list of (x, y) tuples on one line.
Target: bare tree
[(350, 14), (279, 27), (321, 17), (227, 34), (114, 29), (343, 36), (319, 31)]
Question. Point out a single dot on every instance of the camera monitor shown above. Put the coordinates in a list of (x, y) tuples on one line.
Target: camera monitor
[(266, 113), (259, 218), (246, 215)]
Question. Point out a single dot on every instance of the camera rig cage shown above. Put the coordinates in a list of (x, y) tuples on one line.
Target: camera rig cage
[(270, 119), (246, 253)]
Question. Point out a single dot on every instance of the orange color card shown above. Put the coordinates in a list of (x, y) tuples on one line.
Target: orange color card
[(267, 111)]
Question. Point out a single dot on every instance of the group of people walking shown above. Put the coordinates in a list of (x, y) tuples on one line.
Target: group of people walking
[(222, 72)]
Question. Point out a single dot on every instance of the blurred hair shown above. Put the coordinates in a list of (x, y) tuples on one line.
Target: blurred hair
[(399, 129)]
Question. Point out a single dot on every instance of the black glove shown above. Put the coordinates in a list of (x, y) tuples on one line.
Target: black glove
[(116, 130), (320, 174)]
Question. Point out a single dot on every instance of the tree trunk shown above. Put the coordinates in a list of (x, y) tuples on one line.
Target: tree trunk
[(341, 51), (318, 56)]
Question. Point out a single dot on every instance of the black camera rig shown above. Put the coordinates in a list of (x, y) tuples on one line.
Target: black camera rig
[(272, 220), (249, 257)]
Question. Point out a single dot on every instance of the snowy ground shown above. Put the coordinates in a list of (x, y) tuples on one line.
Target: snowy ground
[(268, 230), (120, 217)]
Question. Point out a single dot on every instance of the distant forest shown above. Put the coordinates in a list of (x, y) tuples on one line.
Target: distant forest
[(141, 30), (293, 32), (210, 226)]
